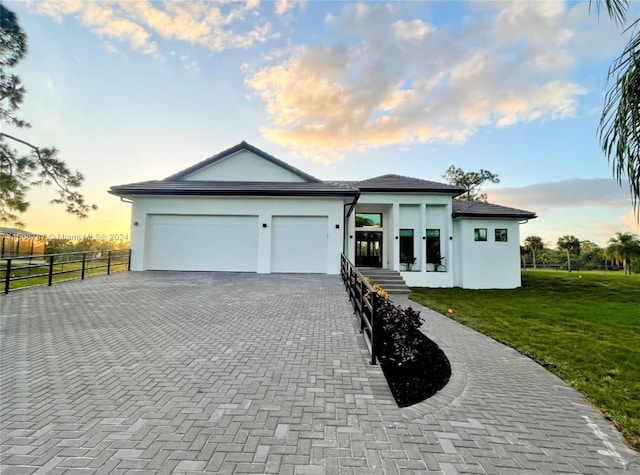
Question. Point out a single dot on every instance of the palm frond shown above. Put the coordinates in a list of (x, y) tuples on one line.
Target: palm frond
[(617, 9), (619, 128)]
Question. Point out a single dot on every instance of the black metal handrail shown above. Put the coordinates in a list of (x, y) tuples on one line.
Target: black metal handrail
[(366, 302), (48, 266)]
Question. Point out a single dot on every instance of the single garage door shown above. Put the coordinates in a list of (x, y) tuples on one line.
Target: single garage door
[(203, 243), (299, 244)]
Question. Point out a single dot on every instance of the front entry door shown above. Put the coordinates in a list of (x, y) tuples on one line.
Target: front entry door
[(368, 248)]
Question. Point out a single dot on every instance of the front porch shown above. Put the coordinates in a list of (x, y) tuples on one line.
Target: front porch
[(410, 235)]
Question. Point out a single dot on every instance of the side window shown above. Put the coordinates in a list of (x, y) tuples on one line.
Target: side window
[(406, 246), (433, 246), (501, 235), (480, 234)]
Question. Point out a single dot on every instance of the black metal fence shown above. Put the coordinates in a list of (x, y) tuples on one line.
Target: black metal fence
[(43, 269), (366, 303)]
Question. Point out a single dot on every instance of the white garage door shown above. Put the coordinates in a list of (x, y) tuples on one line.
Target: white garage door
[(299, 244), (204, 243)]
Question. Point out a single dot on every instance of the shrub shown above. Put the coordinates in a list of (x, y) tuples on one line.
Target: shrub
[(401, 337)]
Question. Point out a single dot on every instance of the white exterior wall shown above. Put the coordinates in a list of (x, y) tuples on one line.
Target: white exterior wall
[(264, 208), (244, 166), (487, 264), (457, 249)]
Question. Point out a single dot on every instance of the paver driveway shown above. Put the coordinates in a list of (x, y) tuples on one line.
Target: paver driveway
[(232, 373)]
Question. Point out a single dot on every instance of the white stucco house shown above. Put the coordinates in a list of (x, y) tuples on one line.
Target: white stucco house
[(244, 210)]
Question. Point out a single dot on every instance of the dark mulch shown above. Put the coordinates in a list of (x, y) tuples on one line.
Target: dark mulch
[(419, 380)]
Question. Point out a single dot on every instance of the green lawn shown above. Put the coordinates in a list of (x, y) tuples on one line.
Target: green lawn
[(585, 327), (39, 275)]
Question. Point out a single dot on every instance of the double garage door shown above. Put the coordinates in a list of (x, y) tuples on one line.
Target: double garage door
[(231, 243)]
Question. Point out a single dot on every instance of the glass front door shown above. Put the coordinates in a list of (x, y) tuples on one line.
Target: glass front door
[(368, 248)]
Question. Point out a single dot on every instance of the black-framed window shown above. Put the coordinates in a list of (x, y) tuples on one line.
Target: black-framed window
[(406, 246), (368, 220), (501, 235), (433, 246), (480, 234)]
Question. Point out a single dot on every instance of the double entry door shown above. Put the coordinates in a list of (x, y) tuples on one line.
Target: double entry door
[(368, 248)]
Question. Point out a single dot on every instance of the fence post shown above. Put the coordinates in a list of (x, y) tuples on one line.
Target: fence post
[(108, 262), (376, 328), (7, 277), (51, 259), (84, 263), (362, 313)]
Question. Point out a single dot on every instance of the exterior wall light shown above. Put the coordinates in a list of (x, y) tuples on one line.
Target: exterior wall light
[(337, 226), (264, 225)]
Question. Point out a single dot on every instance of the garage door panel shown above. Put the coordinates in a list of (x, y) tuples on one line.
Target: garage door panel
[(299, 244), (205, 243)]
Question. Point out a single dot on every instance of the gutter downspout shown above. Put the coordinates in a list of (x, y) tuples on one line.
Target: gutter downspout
[(352, 206)]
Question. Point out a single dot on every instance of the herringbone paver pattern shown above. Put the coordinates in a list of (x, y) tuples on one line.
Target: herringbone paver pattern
[(238, 373)]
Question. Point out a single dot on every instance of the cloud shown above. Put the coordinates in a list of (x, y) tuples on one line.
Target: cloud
[(282, 7), (631, 222), (564, 194), (390, 80), (141, 23), (627, 223)]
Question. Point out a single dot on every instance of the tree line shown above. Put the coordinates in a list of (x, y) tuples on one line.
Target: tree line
[(571, 253), (57, 246)]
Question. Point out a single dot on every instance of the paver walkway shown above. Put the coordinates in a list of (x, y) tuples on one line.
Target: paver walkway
[(232, 373)]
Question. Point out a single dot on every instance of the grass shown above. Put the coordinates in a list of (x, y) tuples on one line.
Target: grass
[(39, 274), (584, 327)]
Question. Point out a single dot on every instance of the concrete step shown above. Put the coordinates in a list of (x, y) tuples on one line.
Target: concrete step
[(389, 280)]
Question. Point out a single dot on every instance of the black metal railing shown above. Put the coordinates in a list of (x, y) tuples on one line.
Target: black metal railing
[(25, 271), (366, 303)]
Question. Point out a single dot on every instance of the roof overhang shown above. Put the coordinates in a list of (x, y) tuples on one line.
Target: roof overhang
[(236, 189), (450, 192), (524, 215)]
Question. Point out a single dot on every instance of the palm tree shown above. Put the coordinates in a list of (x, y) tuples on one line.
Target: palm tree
[(533, 244), (622, 247), (571, 244), (619, 128)]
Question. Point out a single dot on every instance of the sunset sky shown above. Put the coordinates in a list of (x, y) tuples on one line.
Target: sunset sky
[(136, 90)]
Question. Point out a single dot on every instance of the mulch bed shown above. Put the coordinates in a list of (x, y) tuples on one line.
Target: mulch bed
[(422, 378)]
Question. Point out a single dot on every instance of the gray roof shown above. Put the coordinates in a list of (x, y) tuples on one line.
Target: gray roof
[(232, 188), (481, 209), (236, 148), (176, 185), (405, 184)]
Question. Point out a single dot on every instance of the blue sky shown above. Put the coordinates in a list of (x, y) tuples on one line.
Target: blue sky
[(135, 90)]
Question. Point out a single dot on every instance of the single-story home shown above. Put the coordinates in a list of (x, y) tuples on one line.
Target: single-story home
[(244, 210)]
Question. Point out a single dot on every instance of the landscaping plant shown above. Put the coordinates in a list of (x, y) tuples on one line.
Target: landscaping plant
[(414, 366)]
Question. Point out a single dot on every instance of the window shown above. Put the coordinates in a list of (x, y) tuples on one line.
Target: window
[(406, 246), (368, 220), (480, 234), (501, 235), (433, 246)]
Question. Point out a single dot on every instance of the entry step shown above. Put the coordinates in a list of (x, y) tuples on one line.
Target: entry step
[(389, 280)]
